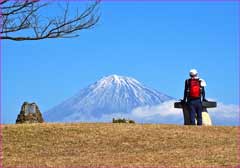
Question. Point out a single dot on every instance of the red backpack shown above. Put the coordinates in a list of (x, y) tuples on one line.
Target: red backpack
[(194, 88)]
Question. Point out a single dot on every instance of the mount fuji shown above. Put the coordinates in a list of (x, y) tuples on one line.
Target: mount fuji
[(111, 96)]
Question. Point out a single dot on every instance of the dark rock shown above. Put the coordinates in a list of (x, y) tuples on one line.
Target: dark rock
[(29, 113)]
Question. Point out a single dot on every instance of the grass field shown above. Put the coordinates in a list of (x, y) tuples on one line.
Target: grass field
[(99, 144)]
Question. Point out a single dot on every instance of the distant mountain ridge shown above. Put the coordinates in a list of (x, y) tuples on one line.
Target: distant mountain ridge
[(109, 95)]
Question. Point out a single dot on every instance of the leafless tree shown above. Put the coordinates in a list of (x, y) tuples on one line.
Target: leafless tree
[(21, 20)]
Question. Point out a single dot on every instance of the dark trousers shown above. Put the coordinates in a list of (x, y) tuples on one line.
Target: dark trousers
[(195, 107)]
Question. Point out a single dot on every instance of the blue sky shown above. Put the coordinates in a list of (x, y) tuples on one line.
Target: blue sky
[(155, 42)]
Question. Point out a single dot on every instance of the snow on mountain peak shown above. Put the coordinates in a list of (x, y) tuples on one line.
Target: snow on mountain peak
[(116, 79)]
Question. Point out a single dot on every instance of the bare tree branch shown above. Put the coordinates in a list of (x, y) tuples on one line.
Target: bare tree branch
[(21, 20), (3, 1)]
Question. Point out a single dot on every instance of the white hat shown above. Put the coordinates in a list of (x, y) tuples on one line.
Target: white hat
[(193, 72)]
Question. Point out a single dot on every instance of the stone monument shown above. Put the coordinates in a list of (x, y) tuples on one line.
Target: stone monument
[(29, 113), (206, 119)]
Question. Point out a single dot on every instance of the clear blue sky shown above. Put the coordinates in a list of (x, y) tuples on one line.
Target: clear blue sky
[(155, 42)]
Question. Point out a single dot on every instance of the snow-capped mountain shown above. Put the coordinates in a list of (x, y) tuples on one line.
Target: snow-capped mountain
[(110, 95)]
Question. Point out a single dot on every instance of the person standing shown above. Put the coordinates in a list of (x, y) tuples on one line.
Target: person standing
[(194, 94)]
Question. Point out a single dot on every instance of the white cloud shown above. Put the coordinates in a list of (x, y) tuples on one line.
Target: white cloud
[(226, 111), (225, 114), (165, 109), (165, 113)]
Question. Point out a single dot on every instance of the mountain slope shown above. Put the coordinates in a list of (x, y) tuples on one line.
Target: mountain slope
[(110, 95)]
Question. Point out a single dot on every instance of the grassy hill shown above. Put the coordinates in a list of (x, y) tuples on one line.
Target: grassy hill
[(101, 144)]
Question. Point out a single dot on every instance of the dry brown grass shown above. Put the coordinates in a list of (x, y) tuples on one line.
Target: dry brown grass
[(100, 144)]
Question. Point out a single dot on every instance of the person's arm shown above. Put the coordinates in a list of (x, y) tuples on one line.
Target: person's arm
[(185, 91), (203, 94)]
